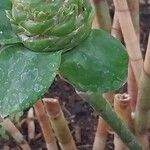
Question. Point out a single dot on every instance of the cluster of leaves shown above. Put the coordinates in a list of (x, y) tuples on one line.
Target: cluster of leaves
[(97, 64)]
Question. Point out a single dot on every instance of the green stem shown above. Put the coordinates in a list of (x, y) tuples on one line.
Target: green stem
[(102, 14), (143, 105), (104, 109)]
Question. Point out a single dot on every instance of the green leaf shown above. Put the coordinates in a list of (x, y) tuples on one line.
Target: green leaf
[(7, 36), (98, 64), (24, 77), (5, 4)]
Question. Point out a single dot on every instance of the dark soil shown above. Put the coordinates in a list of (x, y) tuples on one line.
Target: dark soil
[(80, 116)]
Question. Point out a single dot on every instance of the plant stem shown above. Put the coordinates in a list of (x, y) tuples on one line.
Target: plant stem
[(101, 135), (128, 31), (102, 14), (116, 30), (59, 124), (45, 126), (95, 24), (132, 87), (104, 109), (143, 104), (132, 74), (102, 127), (132, 84), (122, 108), (31, 124), (134, 11), (15, 133), (147, 58)]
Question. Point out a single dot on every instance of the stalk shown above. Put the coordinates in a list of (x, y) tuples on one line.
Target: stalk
[(95, 23), (45, 126), (104, 109), (134, 11), (102, 127), (102, 14), (132, 87), (132, 84), (116, 30), (132, 74), (122, 108), (143, 105), (15, 133), (59, 124), (31, 124), (101, 135), (128, 31)]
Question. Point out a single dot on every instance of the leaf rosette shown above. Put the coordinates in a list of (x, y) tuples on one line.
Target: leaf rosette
[(51, 25)]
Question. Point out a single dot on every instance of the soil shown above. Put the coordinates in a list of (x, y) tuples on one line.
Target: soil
[(81, 118)]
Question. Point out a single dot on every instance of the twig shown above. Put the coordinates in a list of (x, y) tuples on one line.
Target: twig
[(31, 124), (116, 32), (59, 124), (122, 108), (45, 126), (102, 14), (130, 37), (15, 133), (78, 133), (101, 135), (132, 84), (143, 104), (132, 87)]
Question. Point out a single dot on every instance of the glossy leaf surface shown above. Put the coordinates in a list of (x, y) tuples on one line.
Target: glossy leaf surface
[(24, 77), (5, 4), (7, 36), (98, 64)]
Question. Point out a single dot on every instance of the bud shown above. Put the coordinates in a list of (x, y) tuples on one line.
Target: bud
[(51, 25)]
